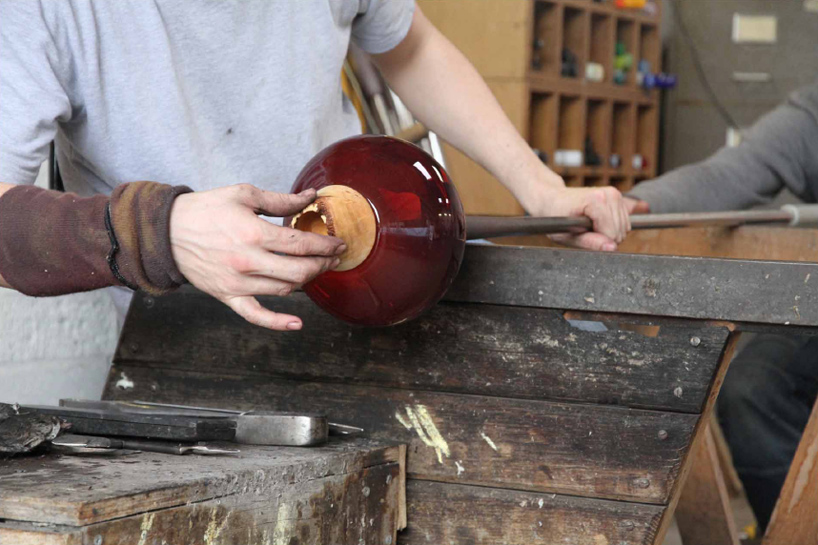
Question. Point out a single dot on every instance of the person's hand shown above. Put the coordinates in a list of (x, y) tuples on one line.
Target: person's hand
[(605, 206), (636, 207), (223, 248)]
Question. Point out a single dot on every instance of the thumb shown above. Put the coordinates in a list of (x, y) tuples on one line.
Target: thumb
[(275, 204)]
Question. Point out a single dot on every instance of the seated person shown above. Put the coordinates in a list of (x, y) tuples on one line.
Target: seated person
[(772, 384)]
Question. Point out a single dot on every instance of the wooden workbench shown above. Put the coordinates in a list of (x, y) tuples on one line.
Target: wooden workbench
[(344, 493), (552, 397)]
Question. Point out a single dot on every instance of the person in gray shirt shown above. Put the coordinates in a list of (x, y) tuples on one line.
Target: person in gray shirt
[(204, 94), (772, 384), (779, 151)]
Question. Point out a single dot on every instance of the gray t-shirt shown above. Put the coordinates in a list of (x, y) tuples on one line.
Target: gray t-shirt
[(780, 150), (205, 93)]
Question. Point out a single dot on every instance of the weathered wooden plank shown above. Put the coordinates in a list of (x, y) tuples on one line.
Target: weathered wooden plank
[(481, 349), (731, 478), (352, 508), (450, 514), (585, 450), (703, 513), (688, 459), (771, 292), (795, 519), (28, 533), (81, 490)]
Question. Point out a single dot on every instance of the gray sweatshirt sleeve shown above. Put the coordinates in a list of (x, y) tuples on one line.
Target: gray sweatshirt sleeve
[(780, 150)]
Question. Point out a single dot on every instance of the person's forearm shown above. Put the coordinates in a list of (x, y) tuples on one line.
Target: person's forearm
[(464, 112), (3, 189), (54, 243), (723, 182), (779, 151)]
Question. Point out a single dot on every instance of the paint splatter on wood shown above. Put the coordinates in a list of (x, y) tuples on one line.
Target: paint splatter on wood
[(488, 440), (421, 421), (147, 523)]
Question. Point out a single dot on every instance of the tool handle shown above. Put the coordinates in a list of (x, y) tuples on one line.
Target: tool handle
[(478, 227), (414, 133), (802, 214)]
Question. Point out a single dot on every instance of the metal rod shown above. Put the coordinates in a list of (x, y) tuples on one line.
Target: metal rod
[(478, 227)]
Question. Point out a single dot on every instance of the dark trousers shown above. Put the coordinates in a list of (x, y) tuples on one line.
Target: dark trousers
[(763, 407)]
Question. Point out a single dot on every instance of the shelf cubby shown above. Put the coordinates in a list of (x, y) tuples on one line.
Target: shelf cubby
[(602, 43), (543, 128), (596, 181), (622, 134), (570, 133), (650, 46), (575, 37), (627, 33), (521, 59), (547, 46), (598, 123), (622, 183), (646, 130)]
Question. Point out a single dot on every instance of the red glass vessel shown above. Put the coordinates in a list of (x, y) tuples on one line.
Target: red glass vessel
[(420, 231)]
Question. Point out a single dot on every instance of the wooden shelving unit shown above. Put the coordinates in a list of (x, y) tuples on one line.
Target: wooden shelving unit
[(517, 45)]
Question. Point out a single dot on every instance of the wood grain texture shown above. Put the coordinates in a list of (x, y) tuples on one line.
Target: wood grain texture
[(360, 507), (495, 35), (83, 490), (731, 478), (746, 242), (769, 292), (457, 515), (27, 533), (795, 519), (699, 436), (579, 449), (703, 513), (768, 243), (403, 521), (479, 349)]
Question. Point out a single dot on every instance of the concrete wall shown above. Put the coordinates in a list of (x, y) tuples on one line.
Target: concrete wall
[(55, 347), (693, 129)]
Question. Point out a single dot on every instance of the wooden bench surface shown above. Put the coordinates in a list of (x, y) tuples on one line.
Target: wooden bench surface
[(552, 396), (250, 497)]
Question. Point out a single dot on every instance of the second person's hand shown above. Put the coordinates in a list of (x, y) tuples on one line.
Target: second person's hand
[(223, 248)]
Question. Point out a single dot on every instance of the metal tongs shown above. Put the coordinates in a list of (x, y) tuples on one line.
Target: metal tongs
[(87, 444)]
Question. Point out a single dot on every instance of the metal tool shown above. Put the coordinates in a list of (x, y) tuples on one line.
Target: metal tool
[(478, 227), (96, 418), (89, 444), (333, 427), (247, 427)]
